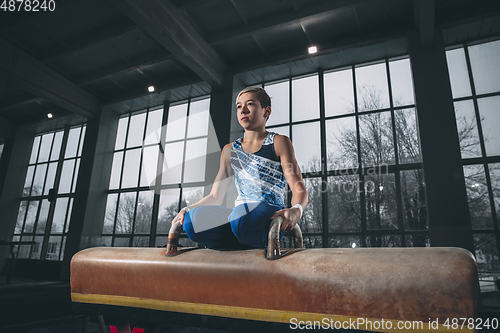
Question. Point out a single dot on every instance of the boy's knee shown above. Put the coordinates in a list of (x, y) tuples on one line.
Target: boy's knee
[(188, 227)]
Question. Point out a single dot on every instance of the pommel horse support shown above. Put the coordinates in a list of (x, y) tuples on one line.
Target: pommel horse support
[(369, 289)]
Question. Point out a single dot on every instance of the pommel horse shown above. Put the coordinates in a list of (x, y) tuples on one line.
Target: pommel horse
[(279, 290)]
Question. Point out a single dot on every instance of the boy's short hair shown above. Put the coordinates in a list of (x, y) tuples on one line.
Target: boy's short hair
[(262, 95)]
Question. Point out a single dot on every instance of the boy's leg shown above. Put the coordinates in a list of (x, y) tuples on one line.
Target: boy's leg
[(208, 226), (250, 223)]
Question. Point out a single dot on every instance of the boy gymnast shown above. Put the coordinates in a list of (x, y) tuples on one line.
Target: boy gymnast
[(261, 162)]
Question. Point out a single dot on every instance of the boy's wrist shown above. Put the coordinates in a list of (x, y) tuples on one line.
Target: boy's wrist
[(299, 206)]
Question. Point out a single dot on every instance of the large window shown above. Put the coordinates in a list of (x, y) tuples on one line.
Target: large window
[(156, 171), (354, 131), (475, 82), (48, 193)]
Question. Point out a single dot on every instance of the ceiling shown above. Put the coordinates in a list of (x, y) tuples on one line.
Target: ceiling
[(87, 54)]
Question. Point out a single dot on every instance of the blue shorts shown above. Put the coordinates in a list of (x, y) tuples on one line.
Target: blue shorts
[(245, 226)]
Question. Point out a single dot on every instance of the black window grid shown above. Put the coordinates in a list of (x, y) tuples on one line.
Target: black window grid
[(325, 235)]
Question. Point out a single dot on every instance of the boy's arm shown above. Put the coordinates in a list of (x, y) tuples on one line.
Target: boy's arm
[(284, 150), (219, 188)]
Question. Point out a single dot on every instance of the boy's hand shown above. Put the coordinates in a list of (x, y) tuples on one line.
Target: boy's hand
[(290, 217), (180, 217)]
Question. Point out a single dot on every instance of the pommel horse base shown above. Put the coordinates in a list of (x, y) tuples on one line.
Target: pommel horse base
[(240, 289)]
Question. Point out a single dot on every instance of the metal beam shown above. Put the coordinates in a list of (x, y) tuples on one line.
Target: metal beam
[(121, 69), (172, 84), (44, 82), (168, 25), (14, 104), (283, 20), (424, 14), (111, 32)]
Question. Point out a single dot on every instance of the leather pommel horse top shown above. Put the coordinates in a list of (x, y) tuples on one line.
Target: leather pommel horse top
[(394, 284)]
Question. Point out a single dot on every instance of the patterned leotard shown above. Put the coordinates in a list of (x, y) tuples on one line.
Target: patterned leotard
[(258, 176)]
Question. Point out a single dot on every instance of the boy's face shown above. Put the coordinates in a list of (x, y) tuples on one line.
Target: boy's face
[(251, 115)]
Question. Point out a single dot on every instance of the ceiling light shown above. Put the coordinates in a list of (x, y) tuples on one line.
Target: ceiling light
[(151, 88), (49, 115), (313, 49)]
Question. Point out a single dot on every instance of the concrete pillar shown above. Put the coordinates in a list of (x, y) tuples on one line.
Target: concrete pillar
[(89, 206), (449, 218), (13, 167)]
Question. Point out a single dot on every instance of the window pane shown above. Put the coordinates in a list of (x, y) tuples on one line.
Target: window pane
[(486, 249), (144, 213), (153, 129), (75, 176), (54, 247), (42, 218), (489, 110), (313, 242), (312, 218), (51, 175), (407, 136), (122, 131), (24, 250), (37, 247), (1, 150), (176, 126), (344, 207), (141, 241), (126, 209), (194, 165), (82, 139), (485, 67), (372, 88), (172, 164), (136, 130), (377, 145), (66, 176), (45, 147), (31, 217), (401, 82), (413, 199), (383, 241), (305, 98), (339, 94), (29, 181), (495, 185), (122, 242), (169, 208), (106, 241), (381, 206), (56, 148), (114, 180), (280, 103), (73, 142), (39, 179), (109, 219), (68, 220), (341, 143), (468, 136), (34, 150), (191, 195), (149, 165), (477, 194), (344, 242), (417, 241), (20, 217), (198, 118), (306, 141), (131, 168), (459, 75), (59, 216), (283, 130)]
